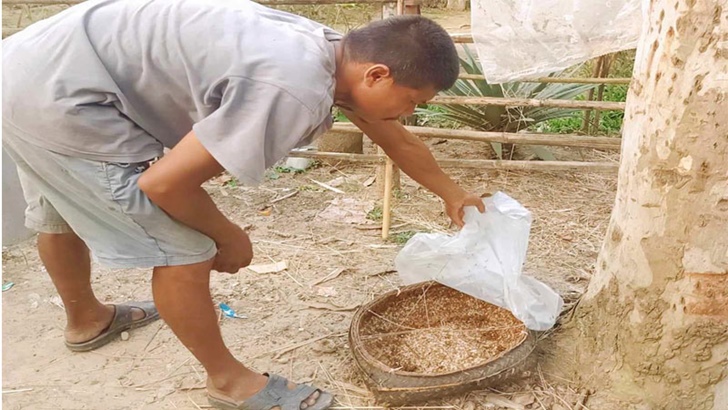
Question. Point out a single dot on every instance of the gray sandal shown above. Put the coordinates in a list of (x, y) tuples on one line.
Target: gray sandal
[(121, 322), (275, 394)]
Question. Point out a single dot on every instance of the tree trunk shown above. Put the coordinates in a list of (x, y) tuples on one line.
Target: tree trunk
[(333, 141), (652, 327), (459, 5)]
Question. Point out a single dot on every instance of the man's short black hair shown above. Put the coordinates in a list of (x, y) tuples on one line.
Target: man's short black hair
[(417, 50)]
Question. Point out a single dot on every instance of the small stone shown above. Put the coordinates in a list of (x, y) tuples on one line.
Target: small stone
[(125, 336), (468, 406), (524, 399)]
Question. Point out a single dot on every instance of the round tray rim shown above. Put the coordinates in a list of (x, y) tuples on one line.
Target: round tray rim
[(358, 344)]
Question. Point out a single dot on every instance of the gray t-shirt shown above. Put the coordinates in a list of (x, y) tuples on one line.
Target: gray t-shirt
[(119, 80)]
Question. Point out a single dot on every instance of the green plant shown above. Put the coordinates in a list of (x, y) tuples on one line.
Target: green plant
[(610, 122), (402, 237), (500, 118), (289, 170), (375, 214), (232, 183)]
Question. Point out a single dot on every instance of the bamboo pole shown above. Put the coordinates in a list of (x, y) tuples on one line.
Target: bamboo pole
[(540, 166), (341, 156), (387, 201), (528, 102), (606, 66), (590, 95), (565, 80), (462, 38), (557, 140)]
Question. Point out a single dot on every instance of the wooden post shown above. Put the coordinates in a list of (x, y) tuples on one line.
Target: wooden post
[(590, 95), (412, 6), (387, 201), (604, 72)]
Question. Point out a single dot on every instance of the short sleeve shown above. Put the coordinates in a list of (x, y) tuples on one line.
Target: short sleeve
[(255, 126)]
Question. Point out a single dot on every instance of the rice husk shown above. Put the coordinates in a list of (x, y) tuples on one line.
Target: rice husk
[(439, 330)]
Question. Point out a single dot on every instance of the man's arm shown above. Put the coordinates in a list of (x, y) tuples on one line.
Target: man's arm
[(416, 160), (174, 183)]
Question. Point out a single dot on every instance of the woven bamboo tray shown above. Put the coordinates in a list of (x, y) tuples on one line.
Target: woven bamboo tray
[(427, 341)]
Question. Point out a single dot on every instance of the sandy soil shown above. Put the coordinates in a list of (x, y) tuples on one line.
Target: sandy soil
[(153, 371)]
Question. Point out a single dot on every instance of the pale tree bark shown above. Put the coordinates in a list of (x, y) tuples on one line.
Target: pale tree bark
[(652, 328)]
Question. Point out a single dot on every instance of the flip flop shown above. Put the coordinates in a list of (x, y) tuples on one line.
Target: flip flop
[(121, 322), (275, 394)]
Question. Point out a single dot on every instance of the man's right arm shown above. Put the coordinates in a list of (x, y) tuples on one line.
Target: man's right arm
[(174, 183)]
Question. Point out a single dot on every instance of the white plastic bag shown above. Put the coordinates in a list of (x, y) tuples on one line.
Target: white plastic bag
[(518, 39), (485, 260)]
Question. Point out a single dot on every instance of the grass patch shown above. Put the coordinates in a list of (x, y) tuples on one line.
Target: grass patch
[(401, 238), (375, 214)]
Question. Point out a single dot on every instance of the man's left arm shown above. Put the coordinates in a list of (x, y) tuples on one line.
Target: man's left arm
[(415, 159)]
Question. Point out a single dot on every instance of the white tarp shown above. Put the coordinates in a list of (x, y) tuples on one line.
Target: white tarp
[(518, 39)]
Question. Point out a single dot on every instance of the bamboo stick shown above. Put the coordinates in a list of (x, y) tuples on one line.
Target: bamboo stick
[(387, 200), (565, 80), (527, 102), (590, 95), (543, 166), (462, 38), (557, 140), (376, 159)]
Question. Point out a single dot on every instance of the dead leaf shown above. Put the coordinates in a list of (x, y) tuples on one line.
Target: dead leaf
[(524, 399), (337, 182), (332, 275), (269, 267), (503, 402), (347, 210), (369, 181), (327, 291), (267, 211)]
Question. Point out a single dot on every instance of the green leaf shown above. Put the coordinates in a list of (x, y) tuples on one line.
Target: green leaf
[(498, 148)]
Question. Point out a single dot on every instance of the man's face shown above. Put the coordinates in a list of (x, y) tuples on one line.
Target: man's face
[(377, 97)]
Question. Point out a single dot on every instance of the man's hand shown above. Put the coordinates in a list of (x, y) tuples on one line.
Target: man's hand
[(416, 160), (234, 253), (455, 207)]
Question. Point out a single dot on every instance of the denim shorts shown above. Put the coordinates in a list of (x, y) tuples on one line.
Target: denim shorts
[(102, 203)]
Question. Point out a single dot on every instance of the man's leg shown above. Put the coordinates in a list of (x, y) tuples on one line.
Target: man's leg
[(182, 296), (66, 258)]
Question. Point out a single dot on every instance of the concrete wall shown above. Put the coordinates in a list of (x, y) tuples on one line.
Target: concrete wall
[(14, 230)]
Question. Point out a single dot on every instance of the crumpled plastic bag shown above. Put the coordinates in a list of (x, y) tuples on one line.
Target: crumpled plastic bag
[(485, 260), (518, 39)]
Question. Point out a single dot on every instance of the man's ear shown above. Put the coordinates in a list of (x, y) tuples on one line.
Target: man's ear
[(376, 74)]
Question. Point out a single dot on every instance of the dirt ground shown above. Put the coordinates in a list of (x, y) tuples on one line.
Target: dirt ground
[(152, 370), (293, 327)]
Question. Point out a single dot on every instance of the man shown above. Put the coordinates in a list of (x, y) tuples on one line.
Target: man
[(95, 93)]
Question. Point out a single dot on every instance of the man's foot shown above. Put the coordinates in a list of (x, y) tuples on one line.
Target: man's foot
[(96, 324), (236, 393), (108, 323)]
